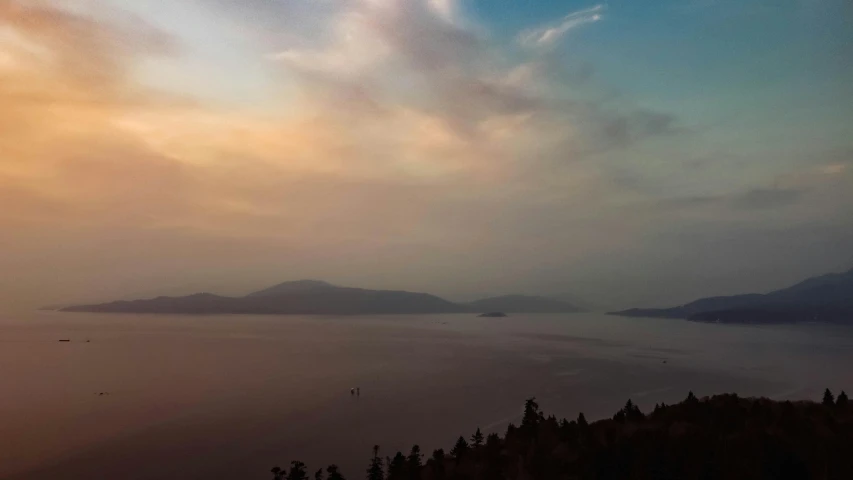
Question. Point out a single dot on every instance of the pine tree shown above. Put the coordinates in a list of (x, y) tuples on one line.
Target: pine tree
[(436, 464), (691, 399), (582, 421), (841, 401), (460, 449), (333, 472), (375, 471), (632, 411), (532, 415), (413, 463), (297, 471), (477, 438), (396, 467), (828, 398)]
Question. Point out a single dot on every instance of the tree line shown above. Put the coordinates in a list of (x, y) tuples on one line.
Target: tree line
[(719, 437)]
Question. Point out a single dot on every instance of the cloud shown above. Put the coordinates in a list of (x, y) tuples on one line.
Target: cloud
[(395, 96), (760, 198), (446, 9), (550, 34), (401, 144), (833, 168), (624, 129)]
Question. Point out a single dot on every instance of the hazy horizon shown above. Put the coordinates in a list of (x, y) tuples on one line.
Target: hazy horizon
[(624, 154)]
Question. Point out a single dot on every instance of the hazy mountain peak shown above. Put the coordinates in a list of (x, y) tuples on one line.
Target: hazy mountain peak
[(826, 297), (293, 286)]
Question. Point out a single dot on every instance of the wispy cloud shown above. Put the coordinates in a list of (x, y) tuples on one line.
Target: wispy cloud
[(400, 129), (550, 34)]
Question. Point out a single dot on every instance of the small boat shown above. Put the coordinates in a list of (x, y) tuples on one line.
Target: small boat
[(64, 339)]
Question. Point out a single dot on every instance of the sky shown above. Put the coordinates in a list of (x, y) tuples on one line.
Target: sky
[(625, 153)]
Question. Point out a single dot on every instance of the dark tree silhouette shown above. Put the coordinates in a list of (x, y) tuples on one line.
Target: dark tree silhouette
[(436, 464), (396, 467), (532, 415), (477, 438), (413, 463), (691, 399), (828, 398), (333, 472), (841, 401), (722, 437), (582, 421), (297, 471), (375, 471), (318, 475), (632, 412), (277, 473), (460, 449)]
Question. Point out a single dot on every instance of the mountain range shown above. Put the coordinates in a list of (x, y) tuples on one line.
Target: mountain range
[(317, 297), (826, 298)]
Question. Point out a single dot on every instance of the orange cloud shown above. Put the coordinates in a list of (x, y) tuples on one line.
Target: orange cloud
[(354, 161)]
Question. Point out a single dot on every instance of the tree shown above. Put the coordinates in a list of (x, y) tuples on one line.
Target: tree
[(841, 401), (436, 464), (277, 473), (375, 471), (318, 475), (532, 415), (460, 449), (297, 471), (333, 472), (396, 467), (477, 438), (632, 411), (582, 421), (691, 399), (828, 398), (413, 463)]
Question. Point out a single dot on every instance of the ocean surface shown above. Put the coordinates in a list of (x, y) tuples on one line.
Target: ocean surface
[(227, 397)]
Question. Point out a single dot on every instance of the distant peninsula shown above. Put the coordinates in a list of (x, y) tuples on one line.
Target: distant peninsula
[(308, 297), (826, 298)]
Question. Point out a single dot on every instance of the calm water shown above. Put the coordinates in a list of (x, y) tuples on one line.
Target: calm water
[(227, 397)]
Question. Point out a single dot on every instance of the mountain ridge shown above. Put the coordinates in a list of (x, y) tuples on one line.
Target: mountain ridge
[(308, 297), (827, 298)]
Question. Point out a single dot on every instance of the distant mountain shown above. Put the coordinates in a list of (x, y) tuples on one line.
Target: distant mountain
[(523, 304), (827, 298), (299, 297), (297, 286), (317, 297)]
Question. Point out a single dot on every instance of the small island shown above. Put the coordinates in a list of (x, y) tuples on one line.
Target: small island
[(492, 314)]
